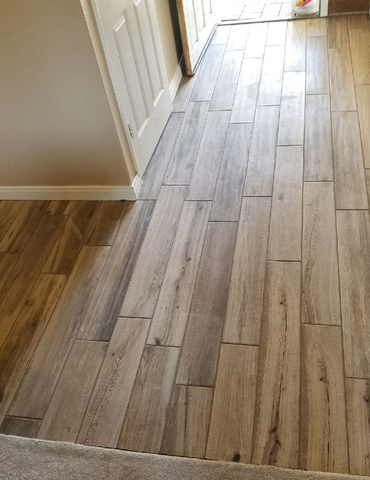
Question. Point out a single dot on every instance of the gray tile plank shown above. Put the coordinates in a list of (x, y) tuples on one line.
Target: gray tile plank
[(208, 72), (244, 309), (323, 435), (317, 66), (172, 309), (286, 211), (229, 190), (147, 278), (276, 427), (354, 272), (295, 47), (100, 316), (231, 427), (261, 163), (155, 171), (341, 80), (291, 124), (144, 423), (207, 164), (238, 37), (108, 404), (320, 282), (272, 76), (350, 183), (185, 151), (223, 95), (245, 99), (318, 149), (199, 358)]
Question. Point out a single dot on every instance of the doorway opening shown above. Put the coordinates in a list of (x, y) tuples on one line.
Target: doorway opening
[(267, 10)]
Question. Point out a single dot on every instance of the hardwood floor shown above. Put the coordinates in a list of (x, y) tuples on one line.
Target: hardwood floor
[(225, 314)]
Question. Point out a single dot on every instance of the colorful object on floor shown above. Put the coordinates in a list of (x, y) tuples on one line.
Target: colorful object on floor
[(305, 7), (302, 3)]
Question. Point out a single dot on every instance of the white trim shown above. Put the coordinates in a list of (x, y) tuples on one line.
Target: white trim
[(94, 192), (136, 185), (324, 6), (176, 80)]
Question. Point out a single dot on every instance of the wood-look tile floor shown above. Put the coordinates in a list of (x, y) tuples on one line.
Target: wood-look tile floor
[(226, 314), (253, 10)]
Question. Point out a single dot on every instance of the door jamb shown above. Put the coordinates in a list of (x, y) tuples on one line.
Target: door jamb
[(324, 5)]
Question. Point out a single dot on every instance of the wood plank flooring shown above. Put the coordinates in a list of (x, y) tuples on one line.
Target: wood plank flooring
[(226, 314), (252, 10)]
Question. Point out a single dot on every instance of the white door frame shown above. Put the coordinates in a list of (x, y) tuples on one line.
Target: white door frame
[(324, 5)]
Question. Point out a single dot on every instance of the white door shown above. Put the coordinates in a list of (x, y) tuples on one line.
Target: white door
[(198, 19), (132, 44)]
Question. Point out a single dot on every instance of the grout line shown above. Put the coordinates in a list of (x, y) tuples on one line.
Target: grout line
[(151, 345), (351, 209), (357, 378), (220, 156), (239, 344), (283, 261), (256, 196), (321, 325), (83, 340), (223, 221), (19, 417)]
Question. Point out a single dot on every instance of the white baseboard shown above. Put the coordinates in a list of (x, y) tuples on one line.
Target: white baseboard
[(136, 185), (95, 192), (176, 80)]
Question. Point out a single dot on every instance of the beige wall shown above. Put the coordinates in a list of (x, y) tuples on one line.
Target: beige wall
[(56, 127)]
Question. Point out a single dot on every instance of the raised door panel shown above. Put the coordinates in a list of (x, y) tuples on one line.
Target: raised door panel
[(122, 36), (149, 48), (198, 19)]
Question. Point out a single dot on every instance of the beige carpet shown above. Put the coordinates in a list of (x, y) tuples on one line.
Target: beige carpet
[(23, 458)]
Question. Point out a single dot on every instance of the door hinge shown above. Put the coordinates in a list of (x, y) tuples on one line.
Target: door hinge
[(130, 130)]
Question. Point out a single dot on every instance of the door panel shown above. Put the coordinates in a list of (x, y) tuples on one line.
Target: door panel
[(150, 51), (198, 19), (128, 64), (132, 44)]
